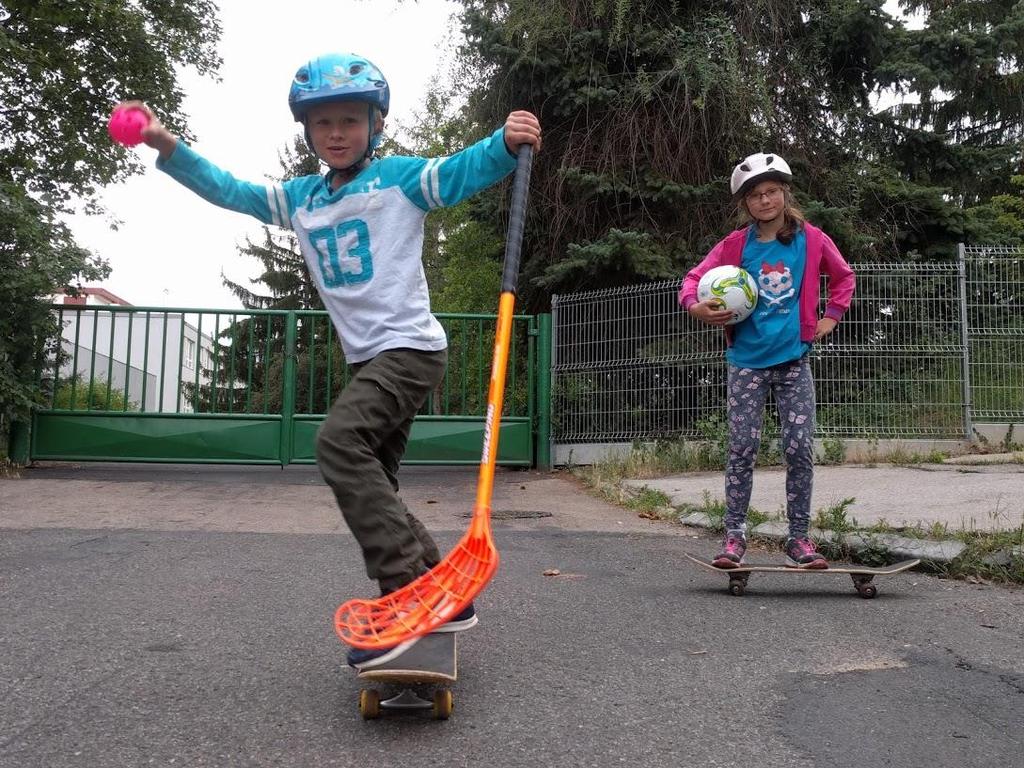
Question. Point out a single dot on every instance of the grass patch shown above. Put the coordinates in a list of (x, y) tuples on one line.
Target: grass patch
[(834, 518), (651, 460), (834, 451), (994, 557), (990, 556), (714, 510), (651, 504), (1007, 445), (901, 457), (604, 481)]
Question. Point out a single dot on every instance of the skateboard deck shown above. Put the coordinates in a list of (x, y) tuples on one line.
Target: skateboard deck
[(432, 663), (862, 576)]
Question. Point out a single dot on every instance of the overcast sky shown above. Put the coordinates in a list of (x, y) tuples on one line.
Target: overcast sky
[(172, 246)]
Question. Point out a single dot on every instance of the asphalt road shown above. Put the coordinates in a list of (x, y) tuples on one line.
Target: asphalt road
[(170, 645)]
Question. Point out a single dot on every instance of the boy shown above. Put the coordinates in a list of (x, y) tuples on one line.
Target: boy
[(360, 230)]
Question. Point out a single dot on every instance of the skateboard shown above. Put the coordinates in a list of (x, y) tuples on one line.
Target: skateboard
[(862, 576), (423, 675)]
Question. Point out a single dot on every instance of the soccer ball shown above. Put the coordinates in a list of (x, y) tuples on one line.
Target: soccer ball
[(731, 288)]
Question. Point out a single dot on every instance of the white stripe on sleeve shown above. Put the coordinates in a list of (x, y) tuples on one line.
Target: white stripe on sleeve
[(282, 202), (275, 216), (435, 180), (425, 183)]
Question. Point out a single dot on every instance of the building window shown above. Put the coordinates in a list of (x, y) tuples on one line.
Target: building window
[(189, 354)]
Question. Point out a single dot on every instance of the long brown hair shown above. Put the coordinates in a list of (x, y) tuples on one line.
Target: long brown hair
[(793, 217)]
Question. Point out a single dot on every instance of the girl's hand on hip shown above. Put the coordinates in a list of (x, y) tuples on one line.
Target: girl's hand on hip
[(825, 326)]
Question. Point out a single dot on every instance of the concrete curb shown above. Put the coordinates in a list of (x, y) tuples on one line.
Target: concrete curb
[(892, 546)]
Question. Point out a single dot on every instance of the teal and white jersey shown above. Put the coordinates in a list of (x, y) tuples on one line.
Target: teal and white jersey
[(363, 242)]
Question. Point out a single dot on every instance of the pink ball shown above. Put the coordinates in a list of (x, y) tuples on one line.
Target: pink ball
[(126, 124)]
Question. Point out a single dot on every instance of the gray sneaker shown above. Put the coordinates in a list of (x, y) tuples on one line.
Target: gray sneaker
[(734, 546), (801, 553)]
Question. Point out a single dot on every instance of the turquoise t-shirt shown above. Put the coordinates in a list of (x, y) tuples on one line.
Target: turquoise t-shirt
[(771, 335)]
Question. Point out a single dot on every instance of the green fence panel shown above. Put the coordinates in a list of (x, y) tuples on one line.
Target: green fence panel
[(99, 436), (438, 440), (253, 386)]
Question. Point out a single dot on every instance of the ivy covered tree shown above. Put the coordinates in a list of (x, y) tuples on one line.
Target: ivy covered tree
[(64, 66)]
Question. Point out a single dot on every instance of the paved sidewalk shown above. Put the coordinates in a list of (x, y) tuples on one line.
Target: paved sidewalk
[(987, 497), (235, 499)]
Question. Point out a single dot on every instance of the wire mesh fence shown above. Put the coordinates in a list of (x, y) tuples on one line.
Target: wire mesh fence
[(994, 308), (926, 350)]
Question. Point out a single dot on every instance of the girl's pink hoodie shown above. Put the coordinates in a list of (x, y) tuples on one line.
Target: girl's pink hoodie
[(822, 256)]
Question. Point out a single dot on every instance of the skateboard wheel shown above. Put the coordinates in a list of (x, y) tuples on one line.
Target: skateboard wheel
[(443, 704), (736, 587), (867, 591), (369, 704)]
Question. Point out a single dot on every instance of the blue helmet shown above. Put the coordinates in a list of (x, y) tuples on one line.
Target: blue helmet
[(338, 77)]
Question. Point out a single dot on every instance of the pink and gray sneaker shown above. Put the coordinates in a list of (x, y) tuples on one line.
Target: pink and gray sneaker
[(801, 553), (733, 548)]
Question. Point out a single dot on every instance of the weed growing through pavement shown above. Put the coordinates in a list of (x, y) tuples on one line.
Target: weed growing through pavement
[(834, 518), (834, 452)]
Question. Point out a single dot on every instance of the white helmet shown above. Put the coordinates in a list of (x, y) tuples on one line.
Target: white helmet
[(756, 168)]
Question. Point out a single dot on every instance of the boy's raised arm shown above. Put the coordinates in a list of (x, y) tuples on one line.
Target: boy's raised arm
[(445, 181), (270, 204)]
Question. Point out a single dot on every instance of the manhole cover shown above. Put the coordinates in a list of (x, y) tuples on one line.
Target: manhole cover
[(512, 514)]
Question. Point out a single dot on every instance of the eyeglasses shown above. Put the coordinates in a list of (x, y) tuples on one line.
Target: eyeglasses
[(769, 194)]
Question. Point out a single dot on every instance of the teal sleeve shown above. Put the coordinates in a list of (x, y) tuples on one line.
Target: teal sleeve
[(271, 204), (442, 181)]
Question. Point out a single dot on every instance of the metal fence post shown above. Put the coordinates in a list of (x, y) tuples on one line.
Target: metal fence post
[(965, 341), (288, 382), (18, 445), (543, 374)]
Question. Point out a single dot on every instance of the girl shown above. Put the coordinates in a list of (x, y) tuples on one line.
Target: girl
[(768, 352)]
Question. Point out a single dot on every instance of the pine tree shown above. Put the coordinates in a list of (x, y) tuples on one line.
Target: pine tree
[(248, 376), (285, 274), (953, 145), (647, 106)]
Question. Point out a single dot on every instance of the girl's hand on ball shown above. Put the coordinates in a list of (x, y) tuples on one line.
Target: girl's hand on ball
[(711, 312)]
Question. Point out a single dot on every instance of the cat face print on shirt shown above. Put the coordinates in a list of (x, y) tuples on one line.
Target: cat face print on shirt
[(775, 283)]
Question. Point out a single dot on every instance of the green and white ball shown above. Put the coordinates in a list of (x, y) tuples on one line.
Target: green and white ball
[(731, 288)]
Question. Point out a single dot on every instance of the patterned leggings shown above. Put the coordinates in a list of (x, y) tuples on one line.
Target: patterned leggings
[(793, 387)]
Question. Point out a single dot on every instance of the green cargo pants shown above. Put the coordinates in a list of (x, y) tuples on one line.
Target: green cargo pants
[(358, 449)]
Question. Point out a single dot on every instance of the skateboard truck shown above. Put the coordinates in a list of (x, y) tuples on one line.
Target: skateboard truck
[(371, 706), (423, 675), (861, 582)]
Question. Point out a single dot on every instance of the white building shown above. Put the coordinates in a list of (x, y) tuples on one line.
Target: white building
[(146, 355)]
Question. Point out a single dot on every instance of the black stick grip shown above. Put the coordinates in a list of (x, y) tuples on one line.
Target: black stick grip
[(517, 219)]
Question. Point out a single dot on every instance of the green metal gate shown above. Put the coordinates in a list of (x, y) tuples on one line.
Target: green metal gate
[(252, 387)]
